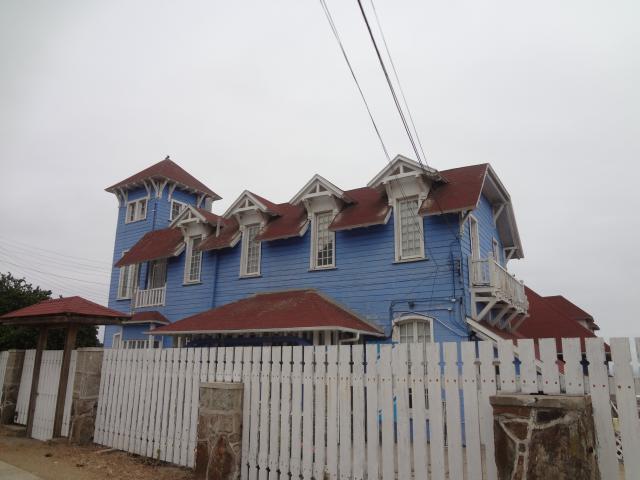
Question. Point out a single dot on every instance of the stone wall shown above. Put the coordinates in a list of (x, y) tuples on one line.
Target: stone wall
[(544, 437), (86, 388), (9, 393), (218, 451)]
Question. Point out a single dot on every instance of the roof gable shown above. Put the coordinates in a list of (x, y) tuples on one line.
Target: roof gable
[(165, 170), (316, 187), (248, 201), (400, 167)]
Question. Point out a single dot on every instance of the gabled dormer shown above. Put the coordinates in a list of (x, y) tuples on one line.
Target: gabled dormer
[(319, 194), (404, 177)]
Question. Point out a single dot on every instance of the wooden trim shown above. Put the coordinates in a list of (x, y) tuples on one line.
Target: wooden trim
[(41, 345), (69, 345)]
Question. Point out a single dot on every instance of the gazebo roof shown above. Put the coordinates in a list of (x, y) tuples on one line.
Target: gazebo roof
[(64, 311)]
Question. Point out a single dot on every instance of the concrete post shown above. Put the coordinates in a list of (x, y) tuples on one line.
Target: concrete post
[(10, 386), (86, 388), (544, 437), (219, 431)]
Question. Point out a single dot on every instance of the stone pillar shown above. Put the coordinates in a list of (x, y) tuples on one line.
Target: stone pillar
[(544, 437), (10, 386), (219, 431), (84, 401)]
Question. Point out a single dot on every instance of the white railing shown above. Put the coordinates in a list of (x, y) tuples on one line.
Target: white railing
[(486, 272), (150, 297)]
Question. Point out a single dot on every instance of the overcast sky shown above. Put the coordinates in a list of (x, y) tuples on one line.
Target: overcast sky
[(256, 95)]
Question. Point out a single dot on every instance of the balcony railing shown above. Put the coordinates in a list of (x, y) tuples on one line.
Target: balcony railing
[(487, 274), (150, 298)]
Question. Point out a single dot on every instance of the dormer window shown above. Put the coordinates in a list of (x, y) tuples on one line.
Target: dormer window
[(323, 242), (251, 249), (136, 210), (193, 262), (176, 209), (409, 230)]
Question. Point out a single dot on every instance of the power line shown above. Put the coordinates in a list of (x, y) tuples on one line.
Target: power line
[(355, 79), (397, 77), (386, 74), (25, 254), (97, 262), (54, 274)]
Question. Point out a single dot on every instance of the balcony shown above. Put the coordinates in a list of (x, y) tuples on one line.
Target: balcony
[(496, 295), (151, 297)]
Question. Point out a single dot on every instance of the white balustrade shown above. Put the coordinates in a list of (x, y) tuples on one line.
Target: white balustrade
[(488, 273), (150, 298)]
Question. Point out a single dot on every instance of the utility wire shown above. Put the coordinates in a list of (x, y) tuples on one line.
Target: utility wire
[(355, 79), (102, 284), (98, 262)]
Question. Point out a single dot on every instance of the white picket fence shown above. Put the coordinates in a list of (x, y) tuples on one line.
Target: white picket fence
[(4, 357), (374, 411), (47, 393)]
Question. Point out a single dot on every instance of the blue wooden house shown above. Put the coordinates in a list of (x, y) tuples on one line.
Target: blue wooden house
[(415, 255)]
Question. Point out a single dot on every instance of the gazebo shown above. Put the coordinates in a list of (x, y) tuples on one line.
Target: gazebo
[(69, 313)]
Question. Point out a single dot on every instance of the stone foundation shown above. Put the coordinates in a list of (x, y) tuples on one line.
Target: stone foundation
[(544, 437), (11, 385), (219, 431), (86, 388)]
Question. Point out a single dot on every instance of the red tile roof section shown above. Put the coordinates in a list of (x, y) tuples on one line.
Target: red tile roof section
[(545, 321), (370, 207), (225, 239), (278, 311), (152, 316), (211, 218), (290, 223), (462, 192), (76, 306), (166, 169), (272, 207), (153, 246)]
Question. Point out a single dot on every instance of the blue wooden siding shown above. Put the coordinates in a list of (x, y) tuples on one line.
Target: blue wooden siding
[(366, 279)]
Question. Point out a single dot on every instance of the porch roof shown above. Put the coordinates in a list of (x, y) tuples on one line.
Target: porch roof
[(61, 311), (291, 310), (154, 245)]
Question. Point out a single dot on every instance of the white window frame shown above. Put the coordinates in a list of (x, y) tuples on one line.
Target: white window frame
[(495, 250), (414, 320), (116, 340), (130, 271), (183, 206), (314, 242), (137, 206), (156, 267), (244, 256), (188, 280), (398, 230), (474, 238)]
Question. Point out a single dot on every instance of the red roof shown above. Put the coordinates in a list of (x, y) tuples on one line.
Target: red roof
[(227, 237), (571, 310), (153, 246), (76, 306), (211, 218), (166, 169), (370, 207), (290, 223), (272, 207), (152, 316), (461, 193), (279, 311), (545, 321)]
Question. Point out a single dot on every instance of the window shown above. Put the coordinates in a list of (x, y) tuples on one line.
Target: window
[(157, 274), (136, 344), (323, 243), (496, 250), (176, 208), (413, 330), (115, 340), (250, 261), (136, 210), (128, 280), (475, 238), (193, 263), (409, 230)]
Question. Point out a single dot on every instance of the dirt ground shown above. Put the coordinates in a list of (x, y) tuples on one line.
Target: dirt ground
[(59, 460)]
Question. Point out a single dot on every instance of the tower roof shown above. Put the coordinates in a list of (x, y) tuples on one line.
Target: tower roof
[(166, 169)]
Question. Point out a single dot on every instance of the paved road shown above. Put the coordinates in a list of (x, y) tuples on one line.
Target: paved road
[(9, 472)]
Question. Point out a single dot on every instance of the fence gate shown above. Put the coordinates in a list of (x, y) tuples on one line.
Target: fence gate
[(47, 393)]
